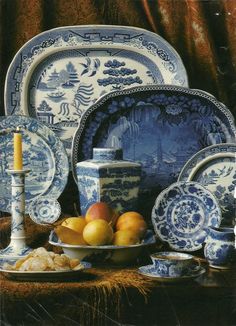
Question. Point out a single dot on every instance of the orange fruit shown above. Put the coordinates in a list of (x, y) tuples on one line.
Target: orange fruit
[(132, 221), (98, 233), (125, 238)]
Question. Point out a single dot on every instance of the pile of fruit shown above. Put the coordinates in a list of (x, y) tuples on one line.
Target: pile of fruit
[(102, 225)]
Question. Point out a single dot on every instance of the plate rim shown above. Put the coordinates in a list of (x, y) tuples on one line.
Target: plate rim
[(84, 264), (181, 176)]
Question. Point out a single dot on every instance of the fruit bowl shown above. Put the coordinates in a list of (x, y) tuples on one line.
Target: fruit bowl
[(104, 254)]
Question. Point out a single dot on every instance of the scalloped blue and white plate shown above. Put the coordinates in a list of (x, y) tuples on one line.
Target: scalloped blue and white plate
[(160, 126), (59, 73), (182, 214), (215, 168), (43, 154)]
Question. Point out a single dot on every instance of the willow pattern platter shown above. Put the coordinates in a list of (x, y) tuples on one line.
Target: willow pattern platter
[(58, 74), (215, 168), (159, 126), (182, 214), (150, 271), (45, 276), (43, 154)]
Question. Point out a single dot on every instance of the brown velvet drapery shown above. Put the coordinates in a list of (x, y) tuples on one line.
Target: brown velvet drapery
[(202, 31)]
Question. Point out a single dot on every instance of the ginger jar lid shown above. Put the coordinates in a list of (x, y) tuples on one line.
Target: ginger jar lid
[(107, 154)]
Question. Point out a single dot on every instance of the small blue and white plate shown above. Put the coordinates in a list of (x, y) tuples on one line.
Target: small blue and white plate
[(182, 214), (45, 210), (150, 271)]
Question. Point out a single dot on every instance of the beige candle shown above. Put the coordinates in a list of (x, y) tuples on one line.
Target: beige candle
[(18, 165)]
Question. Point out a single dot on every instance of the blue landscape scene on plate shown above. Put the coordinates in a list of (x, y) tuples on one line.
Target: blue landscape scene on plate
[(43, 154), (58, 74), (161, 128), (214, 167)]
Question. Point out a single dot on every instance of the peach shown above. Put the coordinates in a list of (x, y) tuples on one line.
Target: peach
[(132, 221), (125, 238), (98, 233), (102, 211)]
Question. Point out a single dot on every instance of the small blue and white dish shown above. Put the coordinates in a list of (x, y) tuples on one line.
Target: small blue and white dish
[(45, 210), (182, 214), (151, 271)]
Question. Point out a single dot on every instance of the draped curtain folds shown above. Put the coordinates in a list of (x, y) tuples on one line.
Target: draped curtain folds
[(202, 32)]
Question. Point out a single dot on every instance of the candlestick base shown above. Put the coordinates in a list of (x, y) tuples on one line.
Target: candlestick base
[(13, 253)]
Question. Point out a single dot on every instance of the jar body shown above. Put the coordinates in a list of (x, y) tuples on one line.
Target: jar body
[(219, 249), (107, 178)]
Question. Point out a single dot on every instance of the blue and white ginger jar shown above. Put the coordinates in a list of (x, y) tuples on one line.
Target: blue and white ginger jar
[(108, 178)]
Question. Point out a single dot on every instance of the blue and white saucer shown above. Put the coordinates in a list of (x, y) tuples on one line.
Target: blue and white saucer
[(45, 210), (151, 271)]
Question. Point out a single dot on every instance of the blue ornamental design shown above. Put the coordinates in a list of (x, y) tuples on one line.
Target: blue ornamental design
[(185, 215)]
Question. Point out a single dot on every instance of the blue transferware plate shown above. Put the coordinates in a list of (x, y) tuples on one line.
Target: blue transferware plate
[(182, 214), (150, 271), (44, 210), (43, 154), (45, 276), (160, 126), (58, 74), (215, 168)]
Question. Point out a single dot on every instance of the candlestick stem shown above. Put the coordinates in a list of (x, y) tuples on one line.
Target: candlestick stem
[(17, 247)]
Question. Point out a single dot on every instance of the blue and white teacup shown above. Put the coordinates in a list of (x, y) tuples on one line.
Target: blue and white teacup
[(219, 249), (173, 264)]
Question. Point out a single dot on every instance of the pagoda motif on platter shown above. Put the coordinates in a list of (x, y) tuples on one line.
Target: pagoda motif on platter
[(44, 113)]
